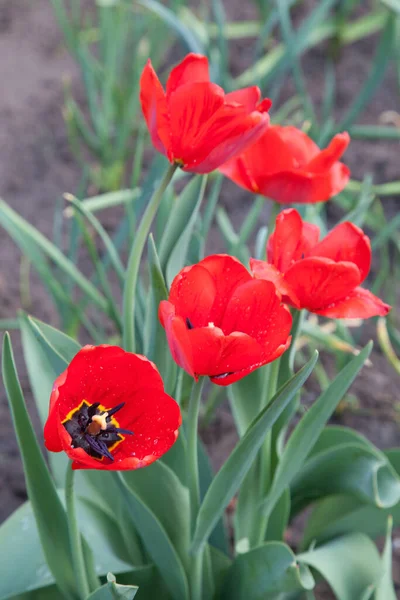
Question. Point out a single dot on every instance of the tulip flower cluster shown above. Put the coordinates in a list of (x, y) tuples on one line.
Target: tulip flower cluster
[(110, 411)]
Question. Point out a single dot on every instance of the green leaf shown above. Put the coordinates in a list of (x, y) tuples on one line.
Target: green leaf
[(182, 209), (349, 564), (112, 590), (309, 428), (178, 257), (104, 490), (19, 229), (352, 469), (265, 572), (158, 544), (172, 21), (42, 373), (340, 514), (109, 200), (233, 472), (385, 588), (218, 538), (57, 342), (169, 500), (393, 4), (279, 519), (378, 68), (155, 345), (49, 513), (19, 534), (244, 396)]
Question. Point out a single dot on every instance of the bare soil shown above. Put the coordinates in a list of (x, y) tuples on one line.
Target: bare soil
[(36, 167)]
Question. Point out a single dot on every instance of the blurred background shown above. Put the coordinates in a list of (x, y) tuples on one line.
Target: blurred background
[(71, 122)]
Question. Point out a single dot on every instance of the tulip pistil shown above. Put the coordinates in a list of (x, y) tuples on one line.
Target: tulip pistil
[(94, 429)]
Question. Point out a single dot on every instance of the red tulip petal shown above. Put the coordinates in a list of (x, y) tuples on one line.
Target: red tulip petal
[(240, 172), (255, 309), (247, 97), (228, 136), (227, 273), (298, 144), (283, 243), (310, 237), (155, 110), (193, 293), (346, 242), (154, 419), (207, 344), (304, 188), (95, 375), (191, 108), (263, 270), (319, 282), (51, 438), (358, 304), (328, 157), (177, 337), (192, 69)]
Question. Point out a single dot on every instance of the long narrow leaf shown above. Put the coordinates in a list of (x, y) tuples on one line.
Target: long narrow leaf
[(49, 514), (309, 429), (9, 217), (228, 479)]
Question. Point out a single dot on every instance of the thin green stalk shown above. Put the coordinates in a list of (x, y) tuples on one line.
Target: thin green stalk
[(75, 537), (269, 390), (128, 309), (192, 474)]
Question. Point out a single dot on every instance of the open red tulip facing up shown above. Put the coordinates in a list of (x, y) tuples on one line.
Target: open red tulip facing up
[(193, 122), (223, 323), (321, 276), (108, 410), (287, 166)]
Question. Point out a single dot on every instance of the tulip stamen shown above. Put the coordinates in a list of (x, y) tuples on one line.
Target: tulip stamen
[(189, 324), (94, 429)]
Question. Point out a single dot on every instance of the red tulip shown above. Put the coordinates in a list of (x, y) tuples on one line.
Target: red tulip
[(223, 323), (285, 165), (194, 123), (321, 276), (108, 410)]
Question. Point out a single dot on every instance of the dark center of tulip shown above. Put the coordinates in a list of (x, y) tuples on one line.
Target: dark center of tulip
[(94, 428), (189, 324)]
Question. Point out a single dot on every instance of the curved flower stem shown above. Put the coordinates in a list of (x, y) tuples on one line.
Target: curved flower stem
[(75, 536), (132, 272), (280, 372), (192, 474)]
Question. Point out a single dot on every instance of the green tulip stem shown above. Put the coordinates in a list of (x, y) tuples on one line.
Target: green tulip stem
[(192, 474), (75, 537), (132, 272)]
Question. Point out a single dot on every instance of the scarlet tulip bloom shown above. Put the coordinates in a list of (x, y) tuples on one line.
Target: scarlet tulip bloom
[(109, 411), (321, 276), (285, 165), (223, 323), (193, 122)]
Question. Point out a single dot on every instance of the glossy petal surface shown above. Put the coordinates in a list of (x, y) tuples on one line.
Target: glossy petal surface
[(194, 123), (285, 165), (223, 323), (110, 376)]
